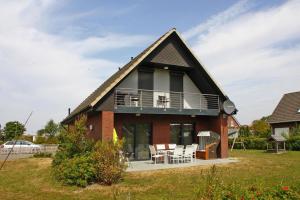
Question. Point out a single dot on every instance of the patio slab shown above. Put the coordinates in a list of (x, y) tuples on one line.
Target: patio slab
[(148, 165)]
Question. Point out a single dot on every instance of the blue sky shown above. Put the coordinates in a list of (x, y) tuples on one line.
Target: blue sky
[(54, 53)]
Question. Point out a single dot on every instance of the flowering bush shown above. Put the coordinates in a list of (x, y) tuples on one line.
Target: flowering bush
[(109, 166)]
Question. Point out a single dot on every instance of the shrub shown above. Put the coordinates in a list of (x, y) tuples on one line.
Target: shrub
[(43, 155), (251, 143), (109, 166), (46, 140), (293, 143), (78, 171)]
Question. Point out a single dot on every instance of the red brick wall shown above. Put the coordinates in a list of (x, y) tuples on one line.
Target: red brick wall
[(107, 122), (161, 126), (95, 121)]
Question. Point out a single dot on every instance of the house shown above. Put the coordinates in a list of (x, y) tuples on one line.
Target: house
[(164, 95), (233, 126), (286, 115)]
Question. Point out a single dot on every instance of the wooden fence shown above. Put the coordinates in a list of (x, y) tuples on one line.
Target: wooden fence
[(45, 148)]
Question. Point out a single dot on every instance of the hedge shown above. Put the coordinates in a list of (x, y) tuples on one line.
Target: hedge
[(292, 143)]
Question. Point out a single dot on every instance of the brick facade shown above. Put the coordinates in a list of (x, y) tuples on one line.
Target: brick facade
[(161, 126), (107, 121)]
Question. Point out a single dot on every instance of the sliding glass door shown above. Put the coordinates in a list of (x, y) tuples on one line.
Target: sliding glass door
[(182, 134), (137, 139)]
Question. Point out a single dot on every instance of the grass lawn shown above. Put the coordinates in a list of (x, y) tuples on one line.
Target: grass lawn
[(31, 179)]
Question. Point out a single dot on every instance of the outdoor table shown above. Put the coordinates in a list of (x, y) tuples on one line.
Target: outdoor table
[(166, 153)]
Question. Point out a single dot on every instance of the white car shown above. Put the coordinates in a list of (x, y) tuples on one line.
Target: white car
[(21, 145)]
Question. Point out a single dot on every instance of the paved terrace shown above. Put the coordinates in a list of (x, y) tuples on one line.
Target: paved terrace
[(148, 165)]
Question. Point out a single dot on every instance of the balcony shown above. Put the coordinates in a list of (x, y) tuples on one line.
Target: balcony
[(161, 102)]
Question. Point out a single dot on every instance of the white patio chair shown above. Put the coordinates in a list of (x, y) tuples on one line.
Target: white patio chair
[(177, 155), (195, 146), (172, 146), (160, 148), (154, 154), (188, 153)]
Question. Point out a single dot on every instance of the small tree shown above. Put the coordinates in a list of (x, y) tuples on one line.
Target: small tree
[(261, 127), (13, 129), (51, 129)]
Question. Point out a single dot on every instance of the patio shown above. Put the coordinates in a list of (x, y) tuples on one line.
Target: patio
[(148, 165)]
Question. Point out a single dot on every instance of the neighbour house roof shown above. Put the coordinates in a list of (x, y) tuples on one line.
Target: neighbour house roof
[(287, 110), (277, 138), (112, 81)]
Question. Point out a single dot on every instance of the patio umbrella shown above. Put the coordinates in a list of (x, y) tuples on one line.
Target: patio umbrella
[(115, 136)]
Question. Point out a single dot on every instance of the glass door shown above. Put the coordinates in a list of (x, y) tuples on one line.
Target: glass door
[(137, 140), (175, 133), (128, 135), (142, 141), (187, 134), (182, 134)]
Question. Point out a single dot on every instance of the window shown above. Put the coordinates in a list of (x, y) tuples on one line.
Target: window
[(282, 131), (298, 110), (182, 134)]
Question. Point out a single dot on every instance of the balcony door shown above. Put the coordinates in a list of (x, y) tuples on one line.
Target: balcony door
[(137, 139), (182, 134), (145, 85), (176, 90)]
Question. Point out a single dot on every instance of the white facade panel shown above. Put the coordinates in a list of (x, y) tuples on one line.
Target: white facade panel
[(191, 93), (161, 87)]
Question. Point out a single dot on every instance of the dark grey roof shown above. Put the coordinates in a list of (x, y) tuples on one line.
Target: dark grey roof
[(277, 138), (287, 109)]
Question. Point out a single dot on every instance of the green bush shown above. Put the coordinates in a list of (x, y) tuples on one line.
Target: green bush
[(43, 155), (109, 166), (293, 143), (251, 143), (45, 140), (78, 171), (80, 162)]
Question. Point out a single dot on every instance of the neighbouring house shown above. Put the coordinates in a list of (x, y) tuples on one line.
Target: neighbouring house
[(163, 95), (233, 126), (286, 115)]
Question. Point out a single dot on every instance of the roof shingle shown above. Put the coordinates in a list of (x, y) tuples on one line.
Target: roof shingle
[(287, 109)]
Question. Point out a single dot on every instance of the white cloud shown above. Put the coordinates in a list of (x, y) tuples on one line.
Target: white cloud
[(47, 73), (255, 56)]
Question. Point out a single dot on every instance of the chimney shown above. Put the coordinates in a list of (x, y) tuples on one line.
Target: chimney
[(69, 111)]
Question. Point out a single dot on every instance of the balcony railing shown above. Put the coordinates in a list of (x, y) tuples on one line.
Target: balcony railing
[(139, 98)]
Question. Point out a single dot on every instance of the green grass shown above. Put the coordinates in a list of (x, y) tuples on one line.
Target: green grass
[(31, 179)]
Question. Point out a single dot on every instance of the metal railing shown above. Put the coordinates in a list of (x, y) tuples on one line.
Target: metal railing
[(127, 97)]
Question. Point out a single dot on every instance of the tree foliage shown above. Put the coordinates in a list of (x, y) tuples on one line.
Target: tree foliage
[(13, 129), (261, 127), (50, 130)]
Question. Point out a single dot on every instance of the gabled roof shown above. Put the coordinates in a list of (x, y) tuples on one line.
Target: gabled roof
[(111, 82), (287, 109)]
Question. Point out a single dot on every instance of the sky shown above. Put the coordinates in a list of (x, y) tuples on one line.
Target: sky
[(53, 54)]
